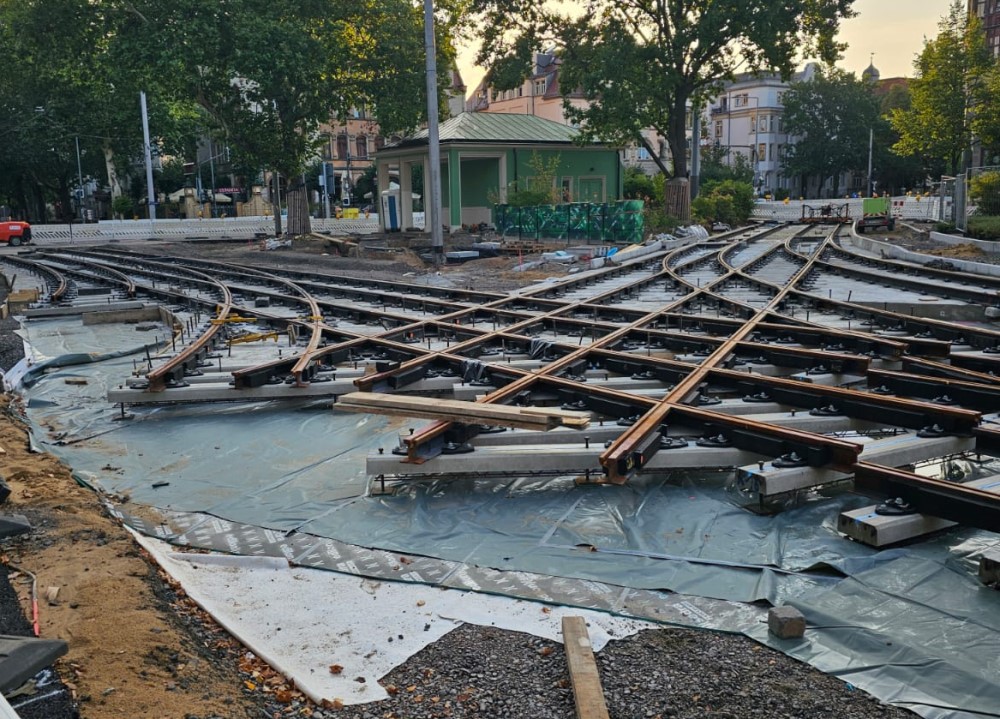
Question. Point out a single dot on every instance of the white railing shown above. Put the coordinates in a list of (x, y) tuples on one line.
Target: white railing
[(222, 227)]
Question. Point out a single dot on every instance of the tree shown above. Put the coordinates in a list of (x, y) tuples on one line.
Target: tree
[(832, 116), (719, 164), (268, 72), (893, 172), (640, 64), (68, 81), (950, 94)]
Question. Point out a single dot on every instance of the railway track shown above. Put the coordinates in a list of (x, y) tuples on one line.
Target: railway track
[(781, 351)]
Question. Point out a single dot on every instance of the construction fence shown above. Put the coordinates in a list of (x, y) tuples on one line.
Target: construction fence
[(953, 200), (975, 194), (620, 222)]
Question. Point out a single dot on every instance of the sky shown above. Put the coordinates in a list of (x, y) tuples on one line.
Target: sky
[(892, 29)]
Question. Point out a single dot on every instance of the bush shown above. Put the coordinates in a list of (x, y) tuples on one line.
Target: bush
[(528, 198), (657, 221), (121, 206), (637, 185), (984, 190), (728, 201), (945, 227), (984, 227), (781, 193)]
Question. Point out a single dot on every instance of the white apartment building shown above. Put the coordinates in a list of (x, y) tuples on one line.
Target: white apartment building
[(747, 118)]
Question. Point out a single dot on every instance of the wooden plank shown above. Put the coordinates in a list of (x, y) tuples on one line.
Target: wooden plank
[(536, 418), (587, 692)]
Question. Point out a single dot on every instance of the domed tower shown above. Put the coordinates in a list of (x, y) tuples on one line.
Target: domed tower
[(871, 74)]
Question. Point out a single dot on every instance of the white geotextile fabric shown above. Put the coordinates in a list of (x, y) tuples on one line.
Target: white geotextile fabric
[(301, 621)]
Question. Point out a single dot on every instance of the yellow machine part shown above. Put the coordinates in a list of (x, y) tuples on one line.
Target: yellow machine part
[(253, 337)]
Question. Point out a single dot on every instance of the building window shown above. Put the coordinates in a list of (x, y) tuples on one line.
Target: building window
[(718, 128), (362, 147), (519, 92), (540, 86), (643, 154), (566, 189), (762, 152), (342, 145), (741, 100), (753, 123), (379, 142)]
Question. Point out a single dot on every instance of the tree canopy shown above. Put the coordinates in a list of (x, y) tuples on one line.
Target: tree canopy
[(832, 116), (258, 75), (641, 62), (951, 96)]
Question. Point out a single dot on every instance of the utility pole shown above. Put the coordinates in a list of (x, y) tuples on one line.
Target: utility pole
[(211, 166), (433, 140), (149, 162), (79, 174)]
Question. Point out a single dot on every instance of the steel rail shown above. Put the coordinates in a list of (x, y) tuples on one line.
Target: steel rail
[(111, 273), (622, 458), (929, 368), (436, 429), (936, 497), (57, 279), (983, 397), (159, 376), (985, 282)]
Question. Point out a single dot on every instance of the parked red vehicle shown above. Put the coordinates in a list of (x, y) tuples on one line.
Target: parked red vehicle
[(15, 233)]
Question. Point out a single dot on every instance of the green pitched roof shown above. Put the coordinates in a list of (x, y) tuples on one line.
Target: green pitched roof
[(497, 127)]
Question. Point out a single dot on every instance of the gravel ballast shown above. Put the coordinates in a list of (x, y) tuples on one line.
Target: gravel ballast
[(688, 674)]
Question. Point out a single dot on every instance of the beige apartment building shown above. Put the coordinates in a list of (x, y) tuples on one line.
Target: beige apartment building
[(350, 144)]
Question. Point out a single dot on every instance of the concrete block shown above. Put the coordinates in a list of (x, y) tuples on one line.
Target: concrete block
[(786, 622)]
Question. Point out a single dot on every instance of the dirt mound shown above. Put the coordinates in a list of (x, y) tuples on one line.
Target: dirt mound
[(964, 251)]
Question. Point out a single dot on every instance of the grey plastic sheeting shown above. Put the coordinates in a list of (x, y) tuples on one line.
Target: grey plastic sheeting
[(302, 469), (914, 631)]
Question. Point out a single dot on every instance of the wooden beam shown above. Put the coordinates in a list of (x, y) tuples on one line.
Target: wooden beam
[(449, 410), (587, 692)]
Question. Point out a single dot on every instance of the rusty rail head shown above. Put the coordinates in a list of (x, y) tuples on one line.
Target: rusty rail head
[(618, 460), (954, 501), (127, 283), (58, 279), (158, 377)]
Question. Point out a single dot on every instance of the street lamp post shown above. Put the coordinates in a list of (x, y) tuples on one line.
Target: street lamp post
[(149, 161), (433, 139)]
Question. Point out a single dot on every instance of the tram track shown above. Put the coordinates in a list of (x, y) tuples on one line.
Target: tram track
[(669, 344)]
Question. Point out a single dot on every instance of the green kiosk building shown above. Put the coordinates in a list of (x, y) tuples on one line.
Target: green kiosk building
[(482, 154)]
